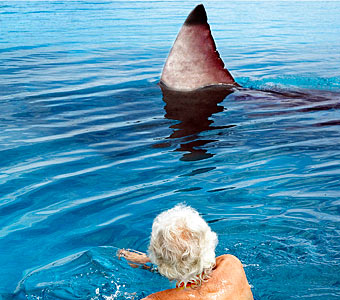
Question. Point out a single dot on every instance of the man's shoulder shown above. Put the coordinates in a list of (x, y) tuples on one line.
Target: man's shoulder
[(228, 258), (229, 266), (151, 297), (171, 294)]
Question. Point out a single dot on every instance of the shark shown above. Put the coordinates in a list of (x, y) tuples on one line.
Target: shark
[(194, 62), (194, 83)]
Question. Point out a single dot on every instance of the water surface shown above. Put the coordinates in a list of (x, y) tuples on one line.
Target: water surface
[(91, 150)]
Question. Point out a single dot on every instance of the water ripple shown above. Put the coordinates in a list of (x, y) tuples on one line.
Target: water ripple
[(91, 149)]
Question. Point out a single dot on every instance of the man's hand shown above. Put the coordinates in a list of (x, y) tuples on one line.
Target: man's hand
[(136, 258)]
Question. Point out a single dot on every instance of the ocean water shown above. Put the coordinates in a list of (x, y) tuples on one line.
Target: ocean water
[(91, 150)]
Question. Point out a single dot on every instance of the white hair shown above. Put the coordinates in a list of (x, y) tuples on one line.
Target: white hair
[(182, 245)]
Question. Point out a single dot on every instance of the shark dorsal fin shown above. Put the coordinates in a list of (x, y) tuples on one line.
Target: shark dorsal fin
[(193, 61)]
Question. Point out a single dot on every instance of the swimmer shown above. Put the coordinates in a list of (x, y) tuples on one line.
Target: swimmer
[(182, 246)]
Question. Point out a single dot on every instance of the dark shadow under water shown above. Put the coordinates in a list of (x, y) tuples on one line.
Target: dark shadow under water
[(193, 110)]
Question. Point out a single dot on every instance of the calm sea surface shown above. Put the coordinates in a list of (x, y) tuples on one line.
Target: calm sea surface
[(91, 150)]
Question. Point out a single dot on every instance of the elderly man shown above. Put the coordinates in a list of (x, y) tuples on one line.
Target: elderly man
[(182, 246)]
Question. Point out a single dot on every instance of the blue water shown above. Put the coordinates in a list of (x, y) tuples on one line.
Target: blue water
[(91, 151)]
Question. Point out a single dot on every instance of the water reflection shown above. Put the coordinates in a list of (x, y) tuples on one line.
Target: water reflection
[(193, 110)]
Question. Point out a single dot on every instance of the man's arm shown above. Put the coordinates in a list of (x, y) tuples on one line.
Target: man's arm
[(135, 258)]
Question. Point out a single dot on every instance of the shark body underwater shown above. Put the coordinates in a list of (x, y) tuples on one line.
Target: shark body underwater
[(194, 81)]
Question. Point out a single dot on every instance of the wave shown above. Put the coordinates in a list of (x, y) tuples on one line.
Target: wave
[(291, 82), (93, 274)]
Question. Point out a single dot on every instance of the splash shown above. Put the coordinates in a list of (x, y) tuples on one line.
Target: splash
[(95, 274)]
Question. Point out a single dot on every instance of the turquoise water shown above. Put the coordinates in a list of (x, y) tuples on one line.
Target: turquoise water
[(91, 151)]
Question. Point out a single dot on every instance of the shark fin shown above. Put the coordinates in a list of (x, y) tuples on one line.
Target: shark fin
[(193, 61)]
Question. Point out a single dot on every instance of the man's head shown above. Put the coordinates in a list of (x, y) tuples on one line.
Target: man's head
[(182, 245)]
